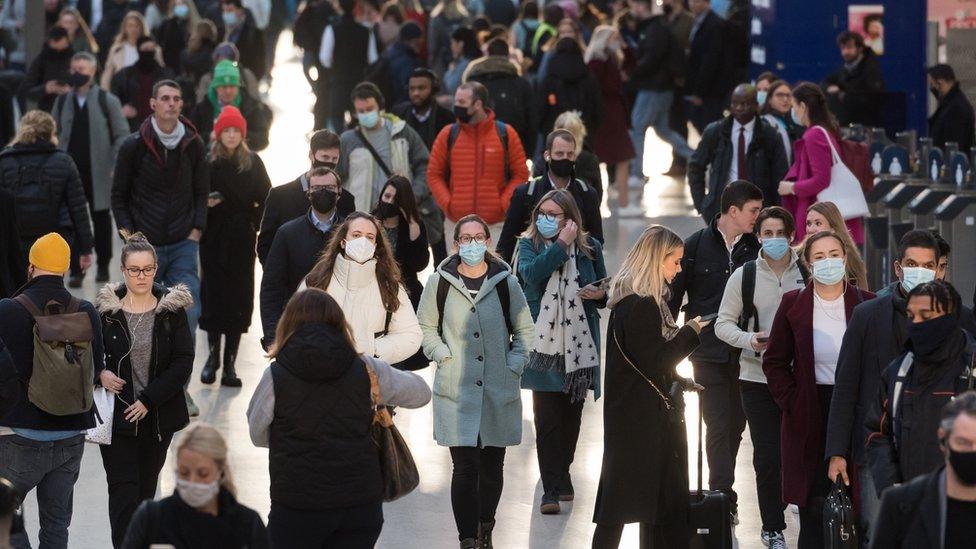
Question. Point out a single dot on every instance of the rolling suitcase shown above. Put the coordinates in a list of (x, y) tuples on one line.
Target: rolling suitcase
[(709, 511)]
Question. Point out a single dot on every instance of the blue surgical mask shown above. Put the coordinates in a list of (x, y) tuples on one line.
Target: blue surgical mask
[(547, 227), (181, 10), (473, 253), (829, 271), (761, 97), (795, 117), (775, 248), (913, 276), (368, 119), (230, 18)]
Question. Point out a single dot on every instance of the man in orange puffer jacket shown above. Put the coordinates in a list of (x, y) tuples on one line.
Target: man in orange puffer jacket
[(468, 172)]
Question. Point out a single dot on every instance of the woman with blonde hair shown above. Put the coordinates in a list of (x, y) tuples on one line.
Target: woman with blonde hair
[(560, 267), (645, 458), (124, 51), (80, 35), (824, 216), (203, 511)]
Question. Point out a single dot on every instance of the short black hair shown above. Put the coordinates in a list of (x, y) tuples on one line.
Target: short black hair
[(323, 140), (236, 3), (944, 248), (367, 90), (942, 72), (56, 33), (768, 75), (323, 171), (777, 212), (552, 14), (850, 36), (944, 296), (871, 18), (737, 193), (165, 84), (530, 9), (918, 238), (347, 6), (497, 46), (424, 72)]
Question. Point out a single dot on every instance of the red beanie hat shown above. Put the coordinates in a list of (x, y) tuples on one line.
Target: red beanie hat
[(230, 117)]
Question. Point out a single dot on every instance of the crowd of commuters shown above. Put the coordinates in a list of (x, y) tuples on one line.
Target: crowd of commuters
[(148, 115)]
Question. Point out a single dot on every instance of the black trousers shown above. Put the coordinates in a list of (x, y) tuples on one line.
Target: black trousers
[(132, 466), (557, 427), (476, 486), (725, 421), (656, 536), (355, 527), (811, 514), (764, 417), (102, 226), (709, 111), (678, 121)]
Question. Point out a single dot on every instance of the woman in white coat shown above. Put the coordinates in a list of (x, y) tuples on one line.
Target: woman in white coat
[(358, 270)]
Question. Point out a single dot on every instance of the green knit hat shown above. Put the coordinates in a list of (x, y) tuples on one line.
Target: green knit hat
[(226, 73)]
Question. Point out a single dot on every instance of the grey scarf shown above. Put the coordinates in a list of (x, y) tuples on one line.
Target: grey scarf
[(169, 140)]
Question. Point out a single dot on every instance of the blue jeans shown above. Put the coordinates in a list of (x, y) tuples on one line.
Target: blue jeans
[(651, 109), (179, 264), (52, 468)]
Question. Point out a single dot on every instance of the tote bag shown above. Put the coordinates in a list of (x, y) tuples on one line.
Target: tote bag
[(104, 403), (844, 189)]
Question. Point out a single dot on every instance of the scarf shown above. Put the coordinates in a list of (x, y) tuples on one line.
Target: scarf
[(169, 140), (565, 343), (668, 327)]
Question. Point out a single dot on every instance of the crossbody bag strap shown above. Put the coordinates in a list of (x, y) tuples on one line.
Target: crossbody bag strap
[(667, 401), (372, 151)]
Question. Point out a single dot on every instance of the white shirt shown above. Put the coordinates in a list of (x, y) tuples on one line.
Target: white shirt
[(734, 167), (829, 325), (96, 14), (725, 239), (327, 50), (129, 55)]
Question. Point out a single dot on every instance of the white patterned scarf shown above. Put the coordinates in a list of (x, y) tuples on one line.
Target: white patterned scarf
[(564, 342)]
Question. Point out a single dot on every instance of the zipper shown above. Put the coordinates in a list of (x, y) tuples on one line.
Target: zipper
[(118, 371), (153, 374)]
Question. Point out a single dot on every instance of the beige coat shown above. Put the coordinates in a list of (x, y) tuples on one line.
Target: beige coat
[(116, 62)]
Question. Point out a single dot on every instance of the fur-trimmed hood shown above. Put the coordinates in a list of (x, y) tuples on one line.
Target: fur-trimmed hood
[(171, 300)]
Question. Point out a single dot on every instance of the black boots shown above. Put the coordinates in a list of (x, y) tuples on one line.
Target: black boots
[(229, 377), (102, 275), (484, 534), (209, 373)]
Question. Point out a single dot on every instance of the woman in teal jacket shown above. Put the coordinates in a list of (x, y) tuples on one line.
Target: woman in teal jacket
[(558, 264), (478, 329)]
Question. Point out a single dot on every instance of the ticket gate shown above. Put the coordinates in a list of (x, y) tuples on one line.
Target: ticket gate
[(950, 176), (876, 224), (956, 221)]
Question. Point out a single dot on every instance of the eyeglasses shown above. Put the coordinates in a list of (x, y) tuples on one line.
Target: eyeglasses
[(147, 271), (552, 216), (480, 239), (330, 188)]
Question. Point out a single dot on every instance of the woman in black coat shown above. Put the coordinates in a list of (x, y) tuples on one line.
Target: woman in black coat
[(149, 354), (645, 459), (569, 86), (173, 34), (397, 208), (239, 185)]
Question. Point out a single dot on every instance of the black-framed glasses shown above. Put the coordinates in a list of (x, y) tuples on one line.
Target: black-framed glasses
[(480, 239), (552, 216), (134, 272)]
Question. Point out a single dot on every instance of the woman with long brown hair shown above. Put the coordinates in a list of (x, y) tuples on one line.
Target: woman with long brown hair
[(824, 216), (239, 185), (405, 232), (357, 268), (79, 33), (312, 410)]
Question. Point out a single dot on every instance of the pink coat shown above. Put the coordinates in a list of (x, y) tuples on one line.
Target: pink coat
[(811, 172)]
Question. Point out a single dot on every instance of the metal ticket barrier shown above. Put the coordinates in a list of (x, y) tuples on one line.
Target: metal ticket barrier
[(955, 220), (943, 172), (897, 201), (876, 252)]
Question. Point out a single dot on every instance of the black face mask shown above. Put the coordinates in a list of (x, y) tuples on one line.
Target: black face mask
[(562, 167), (324, 164), (929, 336), (385, 210), (77, 80), (964, 465), (147, 60), (323, 201), (462, 114), (935, 92)]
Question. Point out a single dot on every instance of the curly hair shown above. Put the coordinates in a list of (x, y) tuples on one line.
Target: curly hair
[(35, 126)]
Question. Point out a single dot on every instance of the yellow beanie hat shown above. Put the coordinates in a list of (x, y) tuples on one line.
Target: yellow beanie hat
[(51, 253)]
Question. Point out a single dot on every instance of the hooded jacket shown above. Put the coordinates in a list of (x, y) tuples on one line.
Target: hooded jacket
[(569, 85), (511, 94), (160, 192), (171, 359)]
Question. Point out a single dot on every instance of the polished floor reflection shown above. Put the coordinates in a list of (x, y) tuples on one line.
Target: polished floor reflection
[(423, 519)]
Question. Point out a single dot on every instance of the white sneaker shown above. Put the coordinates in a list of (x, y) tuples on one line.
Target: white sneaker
[(636, 182), (794, 509), (630, 210), (773, 540)]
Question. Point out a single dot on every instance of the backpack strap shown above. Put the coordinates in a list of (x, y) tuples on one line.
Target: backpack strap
[(748, 291), (451, 138), (503, 136), (903, 371), (804, 273), (26, 303), (73, 305), (443, 287), (505, 298), (103, 104)]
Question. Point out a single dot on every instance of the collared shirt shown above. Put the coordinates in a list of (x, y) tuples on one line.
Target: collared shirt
[(304, 181), (694, 28), (80, 100), (553, 184), (728, 247), (323, 226), (423, 117), (736, 126)]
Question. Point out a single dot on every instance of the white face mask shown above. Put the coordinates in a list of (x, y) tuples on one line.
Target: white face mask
[(360, 249), (197, 494)]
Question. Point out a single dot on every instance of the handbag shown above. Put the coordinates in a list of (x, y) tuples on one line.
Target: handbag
[(398, 470), (675, 413), (839, 521), (844, 189), (104, 406)]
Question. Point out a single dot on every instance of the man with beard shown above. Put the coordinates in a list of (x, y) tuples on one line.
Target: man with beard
[(854, 90), (421, 112), (133, 85), (46, 78)]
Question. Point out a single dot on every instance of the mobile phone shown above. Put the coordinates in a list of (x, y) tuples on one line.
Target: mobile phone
[(706, 318), (602, 284), (762, 339), (216, 195)]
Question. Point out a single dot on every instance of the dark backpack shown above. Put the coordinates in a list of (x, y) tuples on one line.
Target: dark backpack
[(35, 193), (749, 292), (443, 287), (452, 137)]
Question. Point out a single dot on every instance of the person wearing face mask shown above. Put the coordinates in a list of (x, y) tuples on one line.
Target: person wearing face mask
[(91, 129), (133, 85), (174, 31), (937, 510), (406, 233), (297, 245), (560, 157), (236, 24), (358, 270), (225, 90), (751, 297), (422, 112), (478, 328), (123, 51), (47, 74), (953, 119), (800, 365), (203, 510), (935, 367), (288, 201), (560, 373), (775, 106), (148, 358)]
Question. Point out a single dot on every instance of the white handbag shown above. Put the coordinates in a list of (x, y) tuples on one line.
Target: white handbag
[(104, 402), (844, 189)]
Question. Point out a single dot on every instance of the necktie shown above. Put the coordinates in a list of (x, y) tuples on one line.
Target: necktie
[(741, 154)]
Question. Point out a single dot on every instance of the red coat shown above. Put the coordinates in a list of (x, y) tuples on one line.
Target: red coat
[(788, 365), (811, 172), (477, 184)]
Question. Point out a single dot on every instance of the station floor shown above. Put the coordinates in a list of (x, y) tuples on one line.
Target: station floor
[(424, 518)]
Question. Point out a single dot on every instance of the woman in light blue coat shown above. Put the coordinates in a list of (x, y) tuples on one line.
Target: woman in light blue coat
[(478, 328)]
